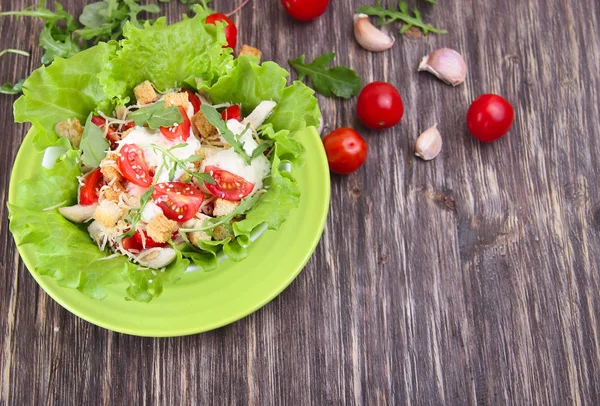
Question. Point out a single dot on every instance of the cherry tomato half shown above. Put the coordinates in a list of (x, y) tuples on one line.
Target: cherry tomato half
[(490, 117), (232, 113), (379, 106), (179, 201), (130, 244), (88, 194), (195, 100), (181, 130), (229, 186), (346, 150), (147, 242), (230, 29), (305, 10), (133, 165)]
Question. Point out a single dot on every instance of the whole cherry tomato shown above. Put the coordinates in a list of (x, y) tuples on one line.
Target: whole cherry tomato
[(346, 150), (379, 106), (490, 117), (230, 29), (305, 10)]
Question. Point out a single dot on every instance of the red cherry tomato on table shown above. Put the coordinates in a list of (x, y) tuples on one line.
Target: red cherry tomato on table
[(133, 165), (379, 106), (147, 242), (230, 29), (305, 10), (490, 117), (179, 201), (88, 194), (181, 130), (346, 150), (195, 100), (232, 113), (228, 186)]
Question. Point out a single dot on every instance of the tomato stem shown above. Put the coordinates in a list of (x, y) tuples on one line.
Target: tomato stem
[(238, 8)]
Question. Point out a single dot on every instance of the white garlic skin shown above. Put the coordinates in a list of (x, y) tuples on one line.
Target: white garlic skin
[(429, 144), (446, 64), (370, 37)]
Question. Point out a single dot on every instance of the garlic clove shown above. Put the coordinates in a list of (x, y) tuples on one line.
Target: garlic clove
[(447, 64), (429, 144), (370, 37)]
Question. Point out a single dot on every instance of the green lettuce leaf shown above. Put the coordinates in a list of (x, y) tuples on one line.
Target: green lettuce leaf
[(167, 56)]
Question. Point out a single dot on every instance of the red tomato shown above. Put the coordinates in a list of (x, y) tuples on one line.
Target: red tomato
[(346, 150), (379, 106), (305, 10), (99, 121), (88, 194), (490, 117), (232, 113), (130, 243), (147, 242), (195, 100), (182, 130), (229, 186), (230, 29), (179, 201), (133, 165)]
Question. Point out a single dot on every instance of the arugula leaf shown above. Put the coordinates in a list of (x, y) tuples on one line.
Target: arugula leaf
[(156, 116), (201, 177), (9, 88), (93, 144), (209, 224), (258, 151), (214, 117), (339, 80), (402, 14)]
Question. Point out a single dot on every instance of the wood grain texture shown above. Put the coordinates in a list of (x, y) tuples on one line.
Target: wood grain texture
[(472, 279)]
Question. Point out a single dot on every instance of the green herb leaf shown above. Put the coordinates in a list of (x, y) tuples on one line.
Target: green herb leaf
[(209, 224), (402, 13), (339, 80), (261, 149), (93, 144), (200, 176), (214, 117), (9, 88), (156, 116)]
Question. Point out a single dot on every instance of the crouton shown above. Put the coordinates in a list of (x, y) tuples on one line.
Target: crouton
[(197, 222), (112, 192), (161, 229), (71, 130), (127, 132), (111, 174), (108, 213), (145, 93), (224, 207), (248, 50), (221, 232), (202, 127), (177, 99)]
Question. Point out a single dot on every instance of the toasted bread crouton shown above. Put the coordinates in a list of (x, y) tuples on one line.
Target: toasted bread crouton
[(224, 207), (202, 127), (197, 222), (221, 232), (161, 229), (127, 132), (248, 50), (71, 130), (108, 213), (112, 192), (111, 174), (177, 99), (145, 93)]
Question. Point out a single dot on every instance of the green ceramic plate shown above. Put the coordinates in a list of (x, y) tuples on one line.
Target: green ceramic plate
[(203, 301)]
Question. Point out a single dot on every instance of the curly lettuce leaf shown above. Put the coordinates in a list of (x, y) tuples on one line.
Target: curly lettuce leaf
[(167, 56)]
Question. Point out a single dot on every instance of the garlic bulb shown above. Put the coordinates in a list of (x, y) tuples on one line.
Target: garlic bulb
[(429, 144), (369, 37), (447, 64)]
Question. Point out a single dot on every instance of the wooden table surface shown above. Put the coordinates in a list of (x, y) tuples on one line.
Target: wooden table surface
[(472, 279)]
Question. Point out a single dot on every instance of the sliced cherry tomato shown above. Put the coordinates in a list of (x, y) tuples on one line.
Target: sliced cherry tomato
[(232, 113), (379, 106), (182, 130), (179, 201), (88, 194), (130, 243), (146, 241), (133, 165), (195, 100), (229, 186), (230, 29), (305, 10), (128, 126), (99, 121), (346, 150), (490, 117)]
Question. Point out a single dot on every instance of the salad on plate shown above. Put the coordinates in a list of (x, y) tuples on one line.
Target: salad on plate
[(161, 153)]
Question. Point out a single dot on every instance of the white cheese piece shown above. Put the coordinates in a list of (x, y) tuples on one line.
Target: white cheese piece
[(260, 113)]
